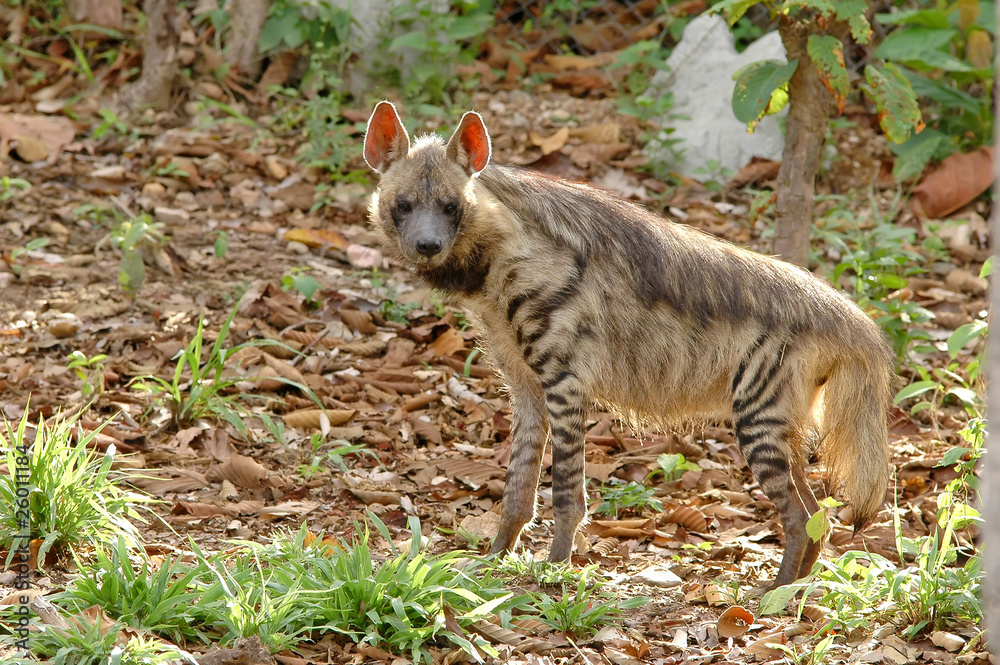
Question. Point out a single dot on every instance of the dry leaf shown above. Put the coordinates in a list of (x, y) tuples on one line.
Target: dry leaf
[(313, 418), (565, 63), (550, 144), (689, 518), (473, 474), (605, 132), (762, 647), (959, 179), (358, 320), (734, 622), (716, 595), (448, 343), (979, 49), (317, 238), (243, 471)]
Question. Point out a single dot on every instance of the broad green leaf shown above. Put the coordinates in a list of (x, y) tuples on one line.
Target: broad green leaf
[(775, 600), (853, 11), (914, 389), (898, 112), (952, 456), (414, 40), (965, 395), (941, 92), (467, 27), (734, 9), (913, 155), (962, 515), (914, 43), (131, 271), (827, 52), (755, 86), (931, 18), (817, 526), (964, 334), (987, 269), (277, 28)]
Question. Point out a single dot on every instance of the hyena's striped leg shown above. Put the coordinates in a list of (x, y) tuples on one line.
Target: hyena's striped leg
[(524, 468), (764, 420), (567, 406)]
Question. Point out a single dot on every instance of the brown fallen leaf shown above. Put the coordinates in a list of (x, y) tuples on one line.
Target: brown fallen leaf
[(566, 63), (242, 471), (318, 238), (689, 518), (552, 143), (313, 418), (734, 622), (959, 179), (448, 343), (605, 132)]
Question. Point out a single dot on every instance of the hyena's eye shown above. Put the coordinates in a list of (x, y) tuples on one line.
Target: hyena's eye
[(450, 208), (403, 206)]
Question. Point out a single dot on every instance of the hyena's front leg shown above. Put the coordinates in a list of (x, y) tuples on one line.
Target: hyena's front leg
[(525, 466), (566, 402)]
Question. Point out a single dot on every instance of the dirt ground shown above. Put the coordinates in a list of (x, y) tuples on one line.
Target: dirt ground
[(397, 371)]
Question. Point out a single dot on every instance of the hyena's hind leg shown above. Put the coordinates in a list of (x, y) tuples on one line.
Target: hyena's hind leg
[(770, 407), (525, 466)]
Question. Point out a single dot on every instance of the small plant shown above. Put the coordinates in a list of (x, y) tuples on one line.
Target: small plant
[(201, 389), (539, 571), (92, 642), (111, 125), (672, 466), (30, 246), (582, 612), (90, 371), (9, 187), (717, 175), (221, 244), (131, 237), (931, 593), (632, 497), (298, 279), (75, 497)]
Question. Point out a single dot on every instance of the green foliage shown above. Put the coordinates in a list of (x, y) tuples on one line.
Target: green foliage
[(631, 497), (441, 39), (9, 187), (539, 571), (75, 497), (582, 612), (90, 371), (672, 466), (293, 23), (89, 642), (944, 53), (30, 246), (298, 279), (202, 389), (930, 591), (111, 125), (130, 237), (761, 89), (143, 598)]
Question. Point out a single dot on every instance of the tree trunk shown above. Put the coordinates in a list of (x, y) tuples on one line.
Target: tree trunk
[(991, 473), (159, 58), (809, 106), (248, 17)]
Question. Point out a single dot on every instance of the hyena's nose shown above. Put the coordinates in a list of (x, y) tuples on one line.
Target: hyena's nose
[(429, 246)]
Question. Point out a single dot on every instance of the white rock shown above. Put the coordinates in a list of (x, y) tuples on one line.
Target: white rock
[(947, 641), (700, 76), (657, 576)]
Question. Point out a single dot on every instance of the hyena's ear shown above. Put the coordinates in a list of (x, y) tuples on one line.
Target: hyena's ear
[(470, 144), (386, 139)]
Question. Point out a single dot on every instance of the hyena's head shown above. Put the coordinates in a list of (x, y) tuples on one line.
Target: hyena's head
[(425, 190)]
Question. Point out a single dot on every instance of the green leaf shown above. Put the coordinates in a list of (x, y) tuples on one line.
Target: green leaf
[(931, 18), (987, 269), (827, 53), (817, 526), (277, 27), (923, 46), (734, 9), (415, 40), (914, 154), (914, 389), (952, 457), (964, 334), (899, 114), (131, 271), (755, 85), (853, 11), (221, 245), (966, 395), (774, 601)]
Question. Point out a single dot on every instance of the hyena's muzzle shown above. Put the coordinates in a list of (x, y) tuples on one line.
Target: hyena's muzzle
[(426, 229)]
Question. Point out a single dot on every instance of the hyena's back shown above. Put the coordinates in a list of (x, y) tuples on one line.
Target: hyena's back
[(582, 296)]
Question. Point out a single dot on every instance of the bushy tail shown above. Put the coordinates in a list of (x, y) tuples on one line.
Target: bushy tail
[(855, 446)]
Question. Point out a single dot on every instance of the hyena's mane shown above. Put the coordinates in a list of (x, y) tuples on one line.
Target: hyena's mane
[(667, 263)]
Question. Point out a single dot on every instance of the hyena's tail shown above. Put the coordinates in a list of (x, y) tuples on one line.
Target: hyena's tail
[(855, 447)]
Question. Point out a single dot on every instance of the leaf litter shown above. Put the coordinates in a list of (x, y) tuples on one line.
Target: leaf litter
[(407, 385)]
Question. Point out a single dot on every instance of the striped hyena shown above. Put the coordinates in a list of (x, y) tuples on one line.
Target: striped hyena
[(583, 297)]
